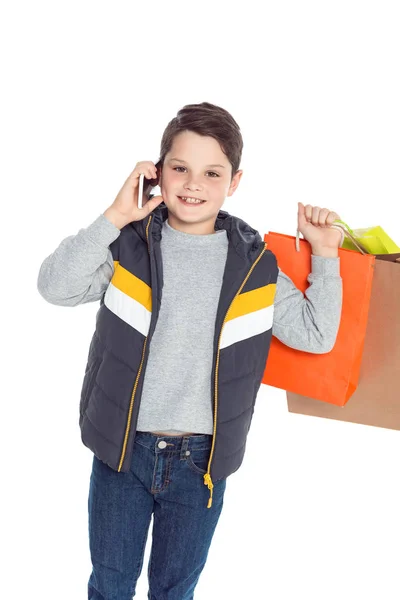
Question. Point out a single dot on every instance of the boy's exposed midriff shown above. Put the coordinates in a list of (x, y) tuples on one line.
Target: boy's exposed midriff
[(172, 434)]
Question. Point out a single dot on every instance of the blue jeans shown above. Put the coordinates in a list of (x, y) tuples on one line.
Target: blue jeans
[(165, 479)]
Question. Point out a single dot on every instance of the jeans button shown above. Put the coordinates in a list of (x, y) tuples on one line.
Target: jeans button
[(162, 444), (187, 452)]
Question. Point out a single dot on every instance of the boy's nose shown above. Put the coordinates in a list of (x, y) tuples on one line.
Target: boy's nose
[(192, 186)]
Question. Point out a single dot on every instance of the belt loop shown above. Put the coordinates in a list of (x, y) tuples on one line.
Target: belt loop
[(184, 447)]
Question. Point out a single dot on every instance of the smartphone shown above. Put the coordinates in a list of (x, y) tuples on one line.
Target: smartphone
[(146, 185)]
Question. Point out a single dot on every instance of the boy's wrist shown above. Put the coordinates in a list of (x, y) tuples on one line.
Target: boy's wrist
[(325, 252)]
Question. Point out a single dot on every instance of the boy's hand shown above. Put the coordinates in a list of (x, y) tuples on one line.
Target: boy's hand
[(315, 225), (125, 209)]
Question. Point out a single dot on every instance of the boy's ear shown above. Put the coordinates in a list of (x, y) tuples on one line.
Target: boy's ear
[(235, 182)]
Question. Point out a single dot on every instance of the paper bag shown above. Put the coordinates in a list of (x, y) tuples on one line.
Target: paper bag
[(376, 400)]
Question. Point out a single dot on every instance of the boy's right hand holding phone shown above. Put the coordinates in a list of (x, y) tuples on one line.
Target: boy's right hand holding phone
[(125, 209)]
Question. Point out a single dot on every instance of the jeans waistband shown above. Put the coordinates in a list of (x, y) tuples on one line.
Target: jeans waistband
[(174, 443)]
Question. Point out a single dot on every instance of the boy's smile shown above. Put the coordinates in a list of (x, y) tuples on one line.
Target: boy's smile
[(195, 179), (191, 201)]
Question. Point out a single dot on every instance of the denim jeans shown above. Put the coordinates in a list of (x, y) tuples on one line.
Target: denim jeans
[(165, 480)]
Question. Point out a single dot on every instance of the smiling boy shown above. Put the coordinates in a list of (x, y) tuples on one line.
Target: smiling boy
[(189, 299)]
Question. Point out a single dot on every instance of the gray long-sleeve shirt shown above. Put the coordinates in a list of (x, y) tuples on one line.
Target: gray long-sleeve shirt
[(178, 396)]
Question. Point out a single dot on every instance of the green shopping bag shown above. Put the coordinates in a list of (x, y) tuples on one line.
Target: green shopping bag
[(373, 240)]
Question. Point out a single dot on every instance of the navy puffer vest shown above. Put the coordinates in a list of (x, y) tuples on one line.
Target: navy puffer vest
[(125, 322)]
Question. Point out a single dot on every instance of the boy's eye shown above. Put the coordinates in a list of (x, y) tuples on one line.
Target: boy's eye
[(216, 174)]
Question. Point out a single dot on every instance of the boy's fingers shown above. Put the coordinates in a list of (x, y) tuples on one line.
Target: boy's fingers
[(300, 208), (315, 215), (301, 214), (332, 217), (153, 203), (308, 212)]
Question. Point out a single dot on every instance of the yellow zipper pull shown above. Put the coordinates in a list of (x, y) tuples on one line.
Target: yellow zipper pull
[(208, 482)]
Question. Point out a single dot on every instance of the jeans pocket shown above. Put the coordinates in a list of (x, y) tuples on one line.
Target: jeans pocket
[(197, 460)]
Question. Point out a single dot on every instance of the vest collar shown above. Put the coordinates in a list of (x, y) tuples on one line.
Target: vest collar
[(245, 240)]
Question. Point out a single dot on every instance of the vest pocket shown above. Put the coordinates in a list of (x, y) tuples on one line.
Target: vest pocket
[(87, 386)]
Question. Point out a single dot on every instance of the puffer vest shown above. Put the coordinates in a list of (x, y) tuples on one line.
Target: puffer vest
[(126, 320)]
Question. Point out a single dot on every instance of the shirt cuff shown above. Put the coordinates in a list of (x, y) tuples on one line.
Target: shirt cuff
[(325, 266), (102, 231)]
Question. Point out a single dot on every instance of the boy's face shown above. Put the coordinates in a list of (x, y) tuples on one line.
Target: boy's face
[(187, 172)]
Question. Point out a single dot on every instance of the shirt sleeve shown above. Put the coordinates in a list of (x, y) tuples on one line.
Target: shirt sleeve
[(310, 322), (81, 268)]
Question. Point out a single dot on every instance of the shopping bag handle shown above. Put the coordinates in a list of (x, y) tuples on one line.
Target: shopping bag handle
[(345, 230)]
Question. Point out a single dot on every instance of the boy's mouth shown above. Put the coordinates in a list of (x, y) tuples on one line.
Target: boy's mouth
[(190, 201)]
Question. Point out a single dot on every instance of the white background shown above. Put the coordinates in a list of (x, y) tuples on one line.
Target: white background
[(87, 90)]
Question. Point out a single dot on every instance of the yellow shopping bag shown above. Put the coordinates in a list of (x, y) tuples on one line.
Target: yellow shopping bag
[(373, 240)]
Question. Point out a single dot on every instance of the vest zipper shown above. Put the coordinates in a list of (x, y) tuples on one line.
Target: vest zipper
[(207, 477), (128, 425)]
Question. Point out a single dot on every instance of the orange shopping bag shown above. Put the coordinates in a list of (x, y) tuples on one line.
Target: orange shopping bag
[(331, 377)]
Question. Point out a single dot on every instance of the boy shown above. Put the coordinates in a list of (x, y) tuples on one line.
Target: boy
[(189, 295)]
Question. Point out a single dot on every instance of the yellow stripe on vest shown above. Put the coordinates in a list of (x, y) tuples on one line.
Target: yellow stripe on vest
[(252, 301), (132, 286)]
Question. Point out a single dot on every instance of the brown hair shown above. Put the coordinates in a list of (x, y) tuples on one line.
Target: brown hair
[(206, 119)]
